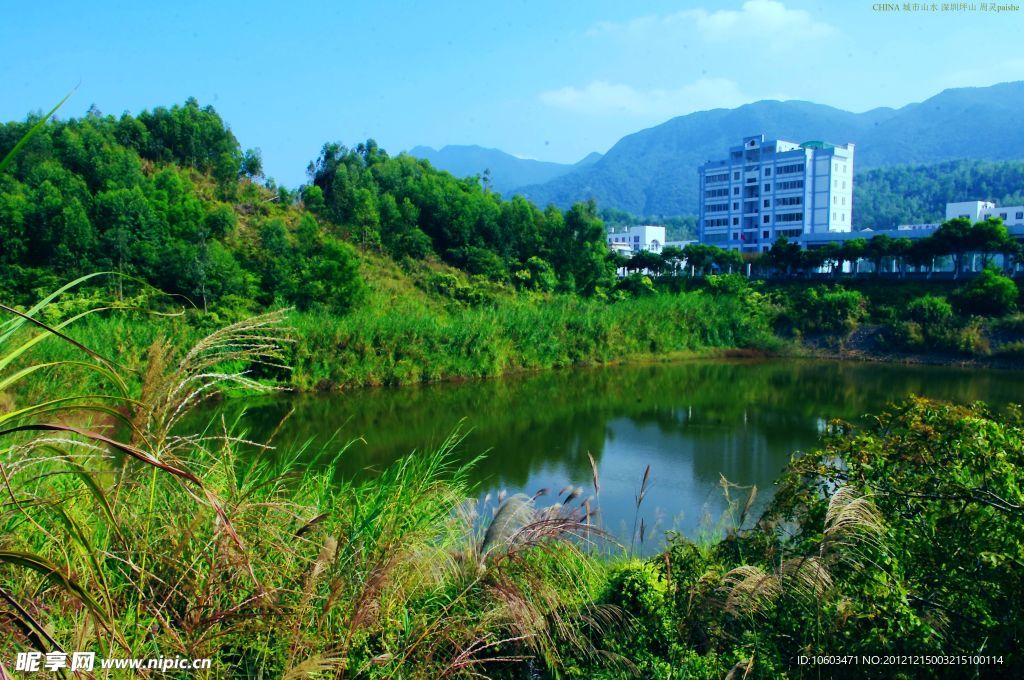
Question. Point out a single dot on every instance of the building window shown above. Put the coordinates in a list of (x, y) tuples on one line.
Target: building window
[(764, 234), (767, 203), (735, 191), (1002, 215), (735, 221), (834, 215), (735, 175), (766, 219), (767, 188), (767, 172), (834, 199), (735, 205), (1020, 216)]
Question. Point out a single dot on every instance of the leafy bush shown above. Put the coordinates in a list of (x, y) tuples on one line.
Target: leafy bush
[(904, 537), (932, 312), (827, 310), (636, 285), (990, 294)]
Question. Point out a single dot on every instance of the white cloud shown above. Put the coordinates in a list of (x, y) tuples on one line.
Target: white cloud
[(768, 22), (603, 98)]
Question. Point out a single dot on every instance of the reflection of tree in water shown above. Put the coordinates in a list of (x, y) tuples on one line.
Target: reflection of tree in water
[(738, 417)]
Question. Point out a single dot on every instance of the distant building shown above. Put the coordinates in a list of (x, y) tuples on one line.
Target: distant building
[(768, 189), (976, 211), (979, 211), (634, 239)]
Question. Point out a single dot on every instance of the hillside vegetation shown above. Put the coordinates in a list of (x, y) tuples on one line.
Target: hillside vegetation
[(884, 198), (654, 171)]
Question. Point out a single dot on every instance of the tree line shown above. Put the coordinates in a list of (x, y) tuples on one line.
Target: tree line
[(170, 198), (952, 242)]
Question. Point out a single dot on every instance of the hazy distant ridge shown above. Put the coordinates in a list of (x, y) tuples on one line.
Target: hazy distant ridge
[(507, 171), (654, 171)]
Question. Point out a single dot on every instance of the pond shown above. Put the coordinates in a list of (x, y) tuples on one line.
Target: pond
[(694, 423)]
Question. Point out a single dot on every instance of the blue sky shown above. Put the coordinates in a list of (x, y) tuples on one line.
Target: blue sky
[(547, 80)]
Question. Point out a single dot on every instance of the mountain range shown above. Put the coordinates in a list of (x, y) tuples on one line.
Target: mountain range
[(507, 172), (654, 171)]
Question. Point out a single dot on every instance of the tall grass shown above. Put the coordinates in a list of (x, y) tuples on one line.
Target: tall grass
[(408, 345), (121, 535)]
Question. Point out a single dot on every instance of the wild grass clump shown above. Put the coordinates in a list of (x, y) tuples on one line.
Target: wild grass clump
[(409, 344), (124, 536)]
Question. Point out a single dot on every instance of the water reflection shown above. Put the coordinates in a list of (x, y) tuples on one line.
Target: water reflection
[(692, 422)]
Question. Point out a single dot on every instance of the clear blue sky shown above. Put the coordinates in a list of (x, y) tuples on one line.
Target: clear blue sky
[(551, 80)]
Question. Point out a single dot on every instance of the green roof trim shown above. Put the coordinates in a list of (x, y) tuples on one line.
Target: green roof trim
[(817, 144)]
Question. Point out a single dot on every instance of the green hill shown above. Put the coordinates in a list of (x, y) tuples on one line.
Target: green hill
[(654, 171)]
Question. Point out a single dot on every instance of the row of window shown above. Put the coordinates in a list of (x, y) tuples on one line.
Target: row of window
[(724, 177), (716, 207), (718, 193), (792, 184), (789, 200), (717, 222), (790, 169), (790, 217)]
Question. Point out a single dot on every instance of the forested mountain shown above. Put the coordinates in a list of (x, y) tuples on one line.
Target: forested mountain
[(886, 197), (504, 171), (170, 198), (654, 171)]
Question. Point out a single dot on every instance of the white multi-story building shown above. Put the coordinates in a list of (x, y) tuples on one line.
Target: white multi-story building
[(633, 239), (979, 211), (768, 189)]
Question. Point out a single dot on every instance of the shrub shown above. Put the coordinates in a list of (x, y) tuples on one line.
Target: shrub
[(727, 284), (930, 311), (635, 284), (824, 310), (990, 294)]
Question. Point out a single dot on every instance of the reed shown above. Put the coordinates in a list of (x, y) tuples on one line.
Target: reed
[(126, 536)]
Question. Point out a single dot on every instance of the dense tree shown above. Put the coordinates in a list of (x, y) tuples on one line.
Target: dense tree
[(646, 261), (955, 238)]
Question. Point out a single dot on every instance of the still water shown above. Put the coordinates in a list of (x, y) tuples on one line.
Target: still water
[(693, 423)]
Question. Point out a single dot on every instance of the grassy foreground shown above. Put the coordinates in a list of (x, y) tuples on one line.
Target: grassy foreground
[(122, 535)]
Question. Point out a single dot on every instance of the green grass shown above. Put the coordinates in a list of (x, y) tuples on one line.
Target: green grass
[(409, 344), (122, 538)]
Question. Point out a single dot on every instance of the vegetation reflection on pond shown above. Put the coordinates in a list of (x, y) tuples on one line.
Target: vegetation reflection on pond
[(693, 423)]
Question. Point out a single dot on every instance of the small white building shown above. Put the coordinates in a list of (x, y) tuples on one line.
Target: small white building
[(975, 211), (634, 239)]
